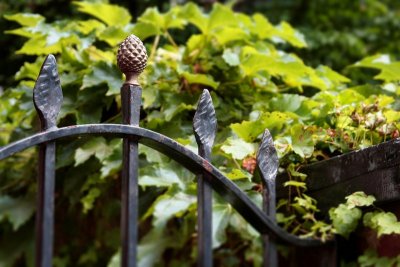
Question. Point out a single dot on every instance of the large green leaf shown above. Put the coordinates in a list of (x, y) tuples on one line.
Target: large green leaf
[(103, 73), (238, 148), (200, 79), (16, 210), (110, 14), (25, 19), (389, 70)]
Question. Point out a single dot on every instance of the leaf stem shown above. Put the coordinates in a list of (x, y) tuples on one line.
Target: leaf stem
[(170, 39), (154, 47)]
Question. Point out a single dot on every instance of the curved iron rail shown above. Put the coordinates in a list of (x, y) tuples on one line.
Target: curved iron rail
[(222, 185)]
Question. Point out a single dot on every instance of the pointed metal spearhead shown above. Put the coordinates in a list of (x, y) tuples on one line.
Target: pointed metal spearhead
[(205, 122), (47, 93), (267, 159)]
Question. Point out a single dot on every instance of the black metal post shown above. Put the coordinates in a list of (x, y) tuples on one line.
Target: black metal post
[(267, 168), (131, 100), (204, 126), (270, 255), (45, 205), (204, 213), (47, 98)]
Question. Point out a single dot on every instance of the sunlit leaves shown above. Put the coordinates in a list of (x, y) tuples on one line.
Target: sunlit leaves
[(389, 70), (345, 217), (359, 199), (25, 19), (230, 57), (200, 79), (255, 84), (110, 14), (103, 73), (238, 148), (384, 223)]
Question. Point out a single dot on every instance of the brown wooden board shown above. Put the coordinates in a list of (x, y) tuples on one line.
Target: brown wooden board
[(374, 170)]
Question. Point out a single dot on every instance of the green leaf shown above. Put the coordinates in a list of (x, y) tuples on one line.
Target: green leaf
[(238, 148), (287, 33), (160, 21), (283, 32), (295, 184), (220, 218), (250, 130), (345, 219), (293, 173), (89, 199), (359, 199), (200, 79), (87, 26), (103, 73), (230, 57), (113, 35), (389, 70), (17, 210), (221, 16), (287, 102), (391, 115), (385, 223), (110, 14), (161, 176), (302, 141), (151, 247), (287, 66), (113, 162), (370, 258), (145, 30), (192, 13), (171, 204), (30, 70), (94, 147), (228, 34), (331, 77), (237, 174), (25, 19)]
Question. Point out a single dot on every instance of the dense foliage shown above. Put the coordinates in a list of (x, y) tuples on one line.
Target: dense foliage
[(312, 113)]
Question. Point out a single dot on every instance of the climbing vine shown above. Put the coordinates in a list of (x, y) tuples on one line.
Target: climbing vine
[(312, 113)]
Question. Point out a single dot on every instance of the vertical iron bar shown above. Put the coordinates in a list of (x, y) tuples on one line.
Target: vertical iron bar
[(267, 168), (270, 255), (47, 98), (204, 215), (45, 205), (131, 100), (204, 127)]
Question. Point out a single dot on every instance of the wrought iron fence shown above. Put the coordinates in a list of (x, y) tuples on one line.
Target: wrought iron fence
[(132, 58)]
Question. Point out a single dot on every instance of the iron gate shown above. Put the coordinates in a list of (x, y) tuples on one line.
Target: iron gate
[(132, 58)]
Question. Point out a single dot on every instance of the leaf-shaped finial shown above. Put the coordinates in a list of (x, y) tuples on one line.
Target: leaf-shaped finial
[(47, 94), (205, 122), (267, 159)]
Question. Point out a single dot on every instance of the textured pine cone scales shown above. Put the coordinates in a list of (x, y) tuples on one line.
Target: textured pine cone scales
[(132, 55)]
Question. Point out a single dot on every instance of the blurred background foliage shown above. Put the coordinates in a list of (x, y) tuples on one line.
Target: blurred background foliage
[(328, 86), (338, 32)]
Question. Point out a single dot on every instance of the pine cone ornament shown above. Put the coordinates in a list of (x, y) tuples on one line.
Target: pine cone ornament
[(132, 57)]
